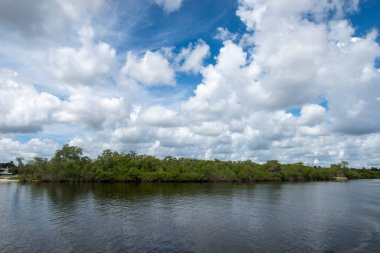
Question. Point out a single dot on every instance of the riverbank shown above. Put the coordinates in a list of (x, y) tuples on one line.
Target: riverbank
[(69, 165), (8, 180), (142, 182)]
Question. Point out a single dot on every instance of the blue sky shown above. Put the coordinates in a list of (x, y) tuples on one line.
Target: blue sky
[(367, 18), (230, 79)]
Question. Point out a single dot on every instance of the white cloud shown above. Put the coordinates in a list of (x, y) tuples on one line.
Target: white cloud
[(179, 137), (258, 14), (10, 149), (192, 57), (328, 61), (217, 96), (152, 69), (312, 114), (36, 18), (169, 5), (132, 134), (91, 146), (251, 81), (22, 107), (159, 116), (224, 34), (214, 128), (90, 109), (86, 65), (294, 54)]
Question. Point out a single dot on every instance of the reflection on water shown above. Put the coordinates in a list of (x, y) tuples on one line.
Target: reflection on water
[(309, 217)]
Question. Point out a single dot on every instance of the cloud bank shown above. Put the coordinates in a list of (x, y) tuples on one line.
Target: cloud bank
[(297, 84)]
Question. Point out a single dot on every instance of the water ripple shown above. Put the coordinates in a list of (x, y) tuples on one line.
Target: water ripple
[(322, 217)]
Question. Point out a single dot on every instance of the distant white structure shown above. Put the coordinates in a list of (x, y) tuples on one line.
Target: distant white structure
[(4, 168)]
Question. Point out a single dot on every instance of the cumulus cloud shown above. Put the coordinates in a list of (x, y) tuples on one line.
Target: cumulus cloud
[(34, 18), (92, 110), (86, 65), (192, 57), (329, 61), (151, 69), (224, 34), (300, 54), (159, 116), (216, 97), (288, 60), (169, 5), (10, 149), (257, 14), (312, 114), (22, 107)]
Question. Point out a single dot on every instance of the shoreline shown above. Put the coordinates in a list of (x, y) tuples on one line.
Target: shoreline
[(185, 182), (6, 180)]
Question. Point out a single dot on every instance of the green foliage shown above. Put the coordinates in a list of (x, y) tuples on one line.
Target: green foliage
[(69, 164)]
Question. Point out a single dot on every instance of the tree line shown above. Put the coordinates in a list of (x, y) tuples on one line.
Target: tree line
[(69, 164)]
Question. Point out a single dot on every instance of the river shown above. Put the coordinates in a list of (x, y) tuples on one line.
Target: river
[(187, 217)]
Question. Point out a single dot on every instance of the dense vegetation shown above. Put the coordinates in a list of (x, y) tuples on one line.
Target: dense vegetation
[(69, 164)]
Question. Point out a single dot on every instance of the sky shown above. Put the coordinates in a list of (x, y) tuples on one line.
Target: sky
[(294, 81)]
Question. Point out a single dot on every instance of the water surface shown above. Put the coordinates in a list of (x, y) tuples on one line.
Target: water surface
[(299, 217)]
